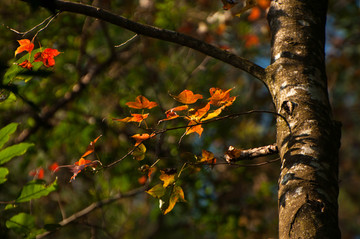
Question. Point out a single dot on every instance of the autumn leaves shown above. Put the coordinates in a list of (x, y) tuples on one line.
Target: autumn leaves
[(46, 56)]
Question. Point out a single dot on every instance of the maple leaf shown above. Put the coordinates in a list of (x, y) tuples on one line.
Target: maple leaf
[(26, 64), (171, 113), (141, 102), (219, 97), (38, 173), (167, 176), (141, 137), (197, 128), (46, 57), (187, 97), (90, 149), (198, 113), (135, 118), (25, 45)]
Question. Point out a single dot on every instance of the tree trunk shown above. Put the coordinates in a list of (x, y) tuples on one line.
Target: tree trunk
[(308, 182)]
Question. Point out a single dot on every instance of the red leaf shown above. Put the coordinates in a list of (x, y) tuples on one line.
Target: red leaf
[(25, 45), (187, 97), (141, 102), (26, 64), (220, 97), (37, 174), (54, 167), (47, 56), (90, 149), (251, 40), (264, 4)]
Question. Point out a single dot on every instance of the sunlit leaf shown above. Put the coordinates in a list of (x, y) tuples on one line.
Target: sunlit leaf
[(219, 97), (25, 45), (141, 137), (194, 129), (139, 152), (90, 149), (26, 64), (187, 97), (171, 113), (54, 167), (198, 113), (12, 151), (157, 191), (35, 189), (141, 102), (168, 177), (46, 57), (6, 131), (212, 114), (3, 173), (207, 157), (264, 4), (177, 195), (80, 165), (135, 118)]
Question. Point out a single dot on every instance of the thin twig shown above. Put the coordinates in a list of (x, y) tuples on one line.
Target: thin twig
[(127, 41)]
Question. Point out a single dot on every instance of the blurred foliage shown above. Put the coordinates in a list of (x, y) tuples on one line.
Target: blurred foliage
[(61, 112)]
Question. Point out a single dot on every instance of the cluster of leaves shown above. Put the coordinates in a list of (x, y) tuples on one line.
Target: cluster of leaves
[(46, 56), (21, 223), (170, 192)]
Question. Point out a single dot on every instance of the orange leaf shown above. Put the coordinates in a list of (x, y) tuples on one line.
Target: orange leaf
[(80, 165), (46, 56), (171, 113), (90, 149), (26, 64), (142, 180), (25, 45), (264, 4), (177, 194), (207, 157), (254, 14), (167, 176), (135, 118), (191, 129), (198, 114), (218, 96), (141, 102), (141, 137), (187, 97)]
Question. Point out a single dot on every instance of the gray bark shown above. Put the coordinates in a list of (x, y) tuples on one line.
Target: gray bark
[(296, 78)]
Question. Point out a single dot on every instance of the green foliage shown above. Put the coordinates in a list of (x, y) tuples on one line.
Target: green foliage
[(24, 224), (35, 189)]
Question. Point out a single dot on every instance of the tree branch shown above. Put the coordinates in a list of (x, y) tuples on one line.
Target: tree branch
[(163, 34), (233, 154), (93, 207)]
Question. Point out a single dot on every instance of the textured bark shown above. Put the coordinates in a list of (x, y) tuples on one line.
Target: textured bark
[(308, 182)]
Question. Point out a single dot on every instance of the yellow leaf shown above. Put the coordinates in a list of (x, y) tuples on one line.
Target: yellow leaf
[(157, 191), (139, 152), (177, 195)]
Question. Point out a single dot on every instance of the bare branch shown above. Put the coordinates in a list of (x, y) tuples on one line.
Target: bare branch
[(93, 207), (163, 34), (233, 154)]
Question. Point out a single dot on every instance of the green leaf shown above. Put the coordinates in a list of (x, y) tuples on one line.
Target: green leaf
[(35, 189), (3, 173), (24, 224), (6, 132), (139, 152), (157, 191), (21, 223), (12, 151)]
